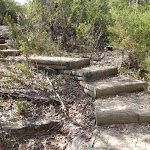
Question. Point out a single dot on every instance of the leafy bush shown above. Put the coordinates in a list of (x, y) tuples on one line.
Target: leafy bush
[(49, 26), (8, 8), (130, 29), (21, 106), (66, 23)]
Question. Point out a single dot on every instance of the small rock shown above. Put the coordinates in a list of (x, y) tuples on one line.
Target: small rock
[(112, 126), (77, 140)]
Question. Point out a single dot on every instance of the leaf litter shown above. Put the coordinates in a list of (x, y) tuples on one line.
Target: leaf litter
[(36, 101)]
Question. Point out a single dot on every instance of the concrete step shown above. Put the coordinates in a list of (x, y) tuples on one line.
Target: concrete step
[(60, 63), (121, 137), (4, 32), (3, 46), (9, 42), (92, 73), (122, 109), (13, 59), (2, 41), (112, 86), (5, 53), (21, 129)]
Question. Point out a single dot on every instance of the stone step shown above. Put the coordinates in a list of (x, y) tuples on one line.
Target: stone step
[(22, 129), (2, 41), (4, 32), (3, 46), (9, 42), (112, 86), (122, 109), (60, 62), (92, 72), (121, 137), (5, 53), (13, 59)]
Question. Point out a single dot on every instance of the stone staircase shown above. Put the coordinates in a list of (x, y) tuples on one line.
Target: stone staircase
[(119, 108), (5, 46), (105, 81), (111, 92), (97, 82)]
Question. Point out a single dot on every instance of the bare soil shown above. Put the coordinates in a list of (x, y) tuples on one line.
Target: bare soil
[(122, 137)]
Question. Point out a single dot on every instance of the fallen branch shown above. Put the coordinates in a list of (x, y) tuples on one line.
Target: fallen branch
[(20, 94), (21, 129), (60, 100)]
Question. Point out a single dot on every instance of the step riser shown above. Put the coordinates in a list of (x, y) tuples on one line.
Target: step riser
[(96, 93), (60, 64), (91, 76), (3, 46), (100, 74), (2, 41), (5, 53), (43, 66), (120, 89), (122, 117)]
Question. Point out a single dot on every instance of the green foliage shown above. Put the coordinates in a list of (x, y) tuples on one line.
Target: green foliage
[(21, 106), (24, 69), (68, 24), (130, 29), (49, 26), (146, 64), (90, 19), (146, 68), (8, 8)]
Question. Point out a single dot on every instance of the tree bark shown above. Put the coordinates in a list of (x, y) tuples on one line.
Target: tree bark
[(137, 2)]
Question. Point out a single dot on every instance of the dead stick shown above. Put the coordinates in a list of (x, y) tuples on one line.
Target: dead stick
[(63, 106), (19, 94)]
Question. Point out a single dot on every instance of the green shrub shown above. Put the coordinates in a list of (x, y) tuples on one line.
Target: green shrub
[(21, 106), (130, 29)]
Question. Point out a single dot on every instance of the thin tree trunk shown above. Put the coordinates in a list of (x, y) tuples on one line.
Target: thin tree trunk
[(137, 2)]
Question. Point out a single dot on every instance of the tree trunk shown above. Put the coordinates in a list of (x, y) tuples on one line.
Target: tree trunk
[(137, 2)]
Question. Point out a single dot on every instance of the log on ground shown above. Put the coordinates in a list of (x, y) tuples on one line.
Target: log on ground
[(25, 129)]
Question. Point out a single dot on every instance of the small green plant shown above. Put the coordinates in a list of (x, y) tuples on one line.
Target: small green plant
[(24, 69), (146, 69), (21, 106), (1, 55)]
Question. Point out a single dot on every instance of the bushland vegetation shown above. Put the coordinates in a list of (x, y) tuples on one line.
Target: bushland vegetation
[(51, 26)]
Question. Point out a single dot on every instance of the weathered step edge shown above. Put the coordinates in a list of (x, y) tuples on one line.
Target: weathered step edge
[(122, 116), (5, 53), (91, 75), (60, 64), (112, 90), (22, 129), (2, 41), (13, 59), (3, 46)]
